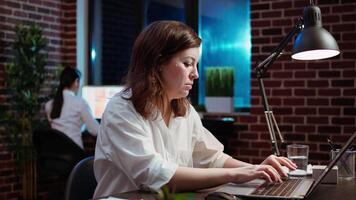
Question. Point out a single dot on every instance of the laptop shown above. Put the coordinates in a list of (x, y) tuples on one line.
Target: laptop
[(292, 188)]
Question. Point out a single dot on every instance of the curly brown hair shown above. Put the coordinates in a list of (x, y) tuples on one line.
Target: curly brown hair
[(154, 46)]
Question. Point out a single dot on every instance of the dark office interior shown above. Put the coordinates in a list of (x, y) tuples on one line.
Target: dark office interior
[(312, 100)]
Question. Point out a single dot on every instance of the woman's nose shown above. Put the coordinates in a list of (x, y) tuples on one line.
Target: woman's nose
[(194, 74)]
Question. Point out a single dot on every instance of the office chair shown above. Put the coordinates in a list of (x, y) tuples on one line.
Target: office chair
[(222, 130), (81, 182), (57, 154)]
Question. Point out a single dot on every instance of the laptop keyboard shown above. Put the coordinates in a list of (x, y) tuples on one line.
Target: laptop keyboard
[(284, 189)]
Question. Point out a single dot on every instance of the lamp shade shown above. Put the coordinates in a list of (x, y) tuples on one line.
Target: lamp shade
[(314, 42)]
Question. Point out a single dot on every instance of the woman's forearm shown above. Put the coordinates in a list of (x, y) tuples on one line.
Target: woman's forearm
[(233, 163), (189, 179)]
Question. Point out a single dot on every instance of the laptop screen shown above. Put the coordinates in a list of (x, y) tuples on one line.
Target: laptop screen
[(98, 96)]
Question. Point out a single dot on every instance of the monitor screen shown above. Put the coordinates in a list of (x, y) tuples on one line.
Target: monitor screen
[(98, 96)]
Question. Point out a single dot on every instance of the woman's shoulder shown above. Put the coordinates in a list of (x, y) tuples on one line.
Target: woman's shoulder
[(77, 100), (119, 99), (120, 103), (191, 110), (191, 113), (72, 98)]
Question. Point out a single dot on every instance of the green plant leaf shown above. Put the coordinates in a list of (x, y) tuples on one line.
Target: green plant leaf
[(219, 81), (24, 77)]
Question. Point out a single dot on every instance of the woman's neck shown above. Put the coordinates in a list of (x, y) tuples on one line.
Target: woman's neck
[(166, 112), (70, 89)]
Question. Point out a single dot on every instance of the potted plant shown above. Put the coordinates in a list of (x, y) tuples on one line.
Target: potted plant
[(219, 89), (24, 76)]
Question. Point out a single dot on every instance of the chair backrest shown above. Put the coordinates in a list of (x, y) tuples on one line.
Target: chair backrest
[(56, 152), (81, 183), (222, 130)]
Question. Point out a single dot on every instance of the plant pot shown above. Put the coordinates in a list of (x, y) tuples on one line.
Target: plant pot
[(219, 104)]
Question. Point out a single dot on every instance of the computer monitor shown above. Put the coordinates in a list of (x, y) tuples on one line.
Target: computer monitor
[(98, 96)]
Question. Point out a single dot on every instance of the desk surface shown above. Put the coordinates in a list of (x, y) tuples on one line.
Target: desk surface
[(346, 188)]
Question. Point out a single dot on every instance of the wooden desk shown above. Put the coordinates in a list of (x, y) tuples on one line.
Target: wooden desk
[(344, 190)]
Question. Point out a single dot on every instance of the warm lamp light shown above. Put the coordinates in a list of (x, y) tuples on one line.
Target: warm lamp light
[(312, 43)]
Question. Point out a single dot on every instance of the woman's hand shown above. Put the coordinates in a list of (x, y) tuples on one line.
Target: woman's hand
[(269, 170), (248, 173), (278, 162)]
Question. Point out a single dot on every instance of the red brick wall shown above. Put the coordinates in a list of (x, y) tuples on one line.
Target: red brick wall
[(311, 100), (58, 22)]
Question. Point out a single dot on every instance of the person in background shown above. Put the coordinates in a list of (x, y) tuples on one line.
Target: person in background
[(68, 112), (150, 135)]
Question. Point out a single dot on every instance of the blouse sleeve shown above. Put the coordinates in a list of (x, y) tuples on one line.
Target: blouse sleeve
[(88, 118), (208, 151), (132, 150)]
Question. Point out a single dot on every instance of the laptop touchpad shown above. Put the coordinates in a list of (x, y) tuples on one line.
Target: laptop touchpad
[(243, 188)]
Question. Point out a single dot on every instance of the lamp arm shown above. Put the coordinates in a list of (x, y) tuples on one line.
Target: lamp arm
[(263, 66)]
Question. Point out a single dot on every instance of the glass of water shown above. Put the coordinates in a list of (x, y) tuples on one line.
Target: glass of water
[(298, 153)]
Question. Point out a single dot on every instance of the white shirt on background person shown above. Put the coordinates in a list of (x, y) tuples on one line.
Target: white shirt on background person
[(133, 153), (74, 114)]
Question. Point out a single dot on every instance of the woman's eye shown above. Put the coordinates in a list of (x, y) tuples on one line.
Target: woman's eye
[(188, 64)]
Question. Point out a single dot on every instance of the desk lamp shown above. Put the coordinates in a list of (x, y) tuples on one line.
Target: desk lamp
[(312, 43)]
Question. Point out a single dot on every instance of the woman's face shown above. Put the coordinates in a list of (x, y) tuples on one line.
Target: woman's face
[(179, 73), (75, 86)]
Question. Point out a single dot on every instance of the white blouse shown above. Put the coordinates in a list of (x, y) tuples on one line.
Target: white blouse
[(74, 114), (133, 153)]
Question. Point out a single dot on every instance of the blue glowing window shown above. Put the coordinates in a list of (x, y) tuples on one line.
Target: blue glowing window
[(224, 27)]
